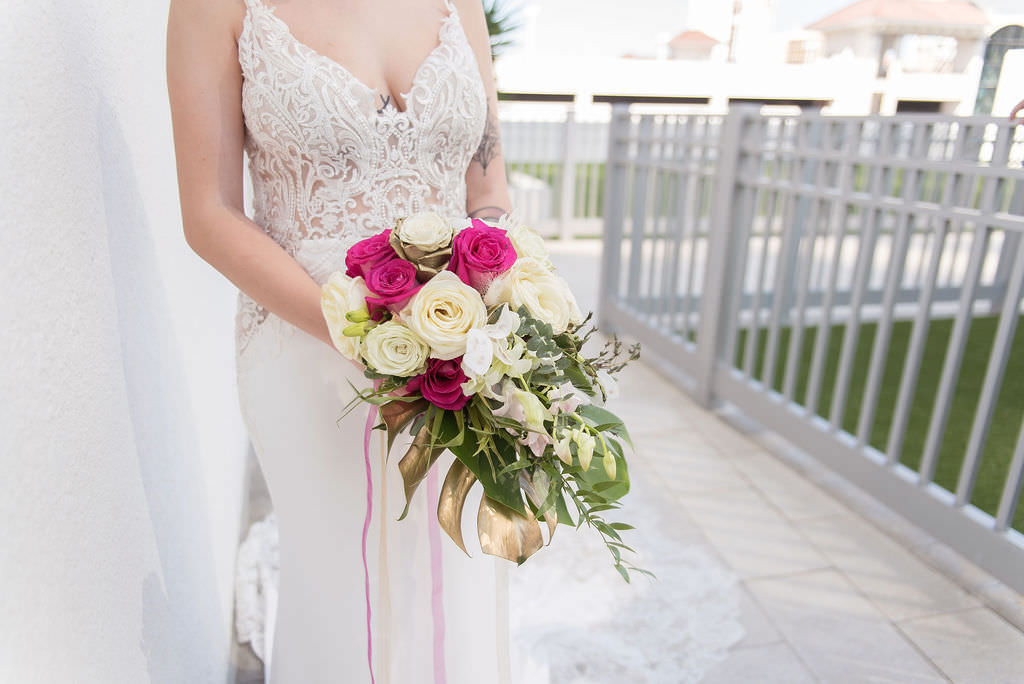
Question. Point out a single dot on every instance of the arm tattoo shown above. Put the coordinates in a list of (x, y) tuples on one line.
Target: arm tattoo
[(488, 148)]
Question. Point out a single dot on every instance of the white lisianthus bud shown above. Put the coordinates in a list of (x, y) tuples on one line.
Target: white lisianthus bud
[(425, 230), (393, 349), (609, 465), (443, 312), (339, 296), (534, 412), (562, 447), (585, 443)]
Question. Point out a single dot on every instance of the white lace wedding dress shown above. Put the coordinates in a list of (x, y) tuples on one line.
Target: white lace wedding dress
[(332, 588), (361, 597)]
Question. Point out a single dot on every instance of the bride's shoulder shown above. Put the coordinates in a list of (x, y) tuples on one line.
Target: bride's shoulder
[(474, 23), (210, 17)]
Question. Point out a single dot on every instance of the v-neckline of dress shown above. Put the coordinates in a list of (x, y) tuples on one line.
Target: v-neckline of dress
[(451, 16)]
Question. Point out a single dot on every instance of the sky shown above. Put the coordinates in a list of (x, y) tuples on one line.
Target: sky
[(613, 27)]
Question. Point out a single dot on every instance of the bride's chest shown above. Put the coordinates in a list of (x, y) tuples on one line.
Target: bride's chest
[(299, 103)]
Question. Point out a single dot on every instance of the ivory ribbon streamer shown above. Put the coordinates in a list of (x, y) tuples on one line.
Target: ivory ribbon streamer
[(370, 420), (437, 576)]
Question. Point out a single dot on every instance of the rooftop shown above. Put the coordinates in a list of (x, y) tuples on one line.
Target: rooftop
[(920, 12), (689, 38)]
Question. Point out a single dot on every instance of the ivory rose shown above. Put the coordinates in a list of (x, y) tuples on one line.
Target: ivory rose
[(393, 349), (338, 296), (426, 231), (443, 312), (545, 295), (425, 240), (529, 244)]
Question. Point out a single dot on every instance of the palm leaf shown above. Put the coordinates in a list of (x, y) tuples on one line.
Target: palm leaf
[(501, 22)]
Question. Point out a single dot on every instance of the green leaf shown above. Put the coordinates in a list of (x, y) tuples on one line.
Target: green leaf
[(503, 488), (562, 509), (622, 571), (596, 476), (599, 416), (622, 526), (643, 572)]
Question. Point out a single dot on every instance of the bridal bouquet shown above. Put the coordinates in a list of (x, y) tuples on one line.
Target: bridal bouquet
[(475, 345)]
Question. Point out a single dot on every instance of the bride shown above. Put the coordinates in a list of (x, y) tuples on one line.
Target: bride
[(352, 113)]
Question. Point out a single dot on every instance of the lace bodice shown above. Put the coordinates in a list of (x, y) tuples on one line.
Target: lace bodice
[(328, 166)]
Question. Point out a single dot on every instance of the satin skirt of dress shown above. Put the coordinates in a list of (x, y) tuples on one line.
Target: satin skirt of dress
[(357, 586)]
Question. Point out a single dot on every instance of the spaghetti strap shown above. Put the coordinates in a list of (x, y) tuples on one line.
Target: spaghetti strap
[(258, 4)]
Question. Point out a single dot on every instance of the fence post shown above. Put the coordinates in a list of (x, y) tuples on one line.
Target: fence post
[(714, 300), (1007, 254), (614, 212), (567, 203)]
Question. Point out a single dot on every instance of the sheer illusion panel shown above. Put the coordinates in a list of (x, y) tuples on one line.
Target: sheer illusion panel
[(329, 165)]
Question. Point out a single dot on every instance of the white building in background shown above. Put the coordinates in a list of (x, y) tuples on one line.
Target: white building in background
[(868, 57)]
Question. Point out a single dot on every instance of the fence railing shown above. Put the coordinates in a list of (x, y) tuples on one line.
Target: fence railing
[(854, 284), (556, 172)]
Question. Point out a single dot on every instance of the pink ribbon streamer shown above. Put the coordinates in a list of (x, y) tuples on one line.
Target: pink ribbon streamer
[(437, 577), (370, 421)]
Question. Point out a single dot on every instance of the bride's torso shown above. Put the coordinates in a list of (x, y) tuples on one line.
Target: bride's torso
[(329, 166)]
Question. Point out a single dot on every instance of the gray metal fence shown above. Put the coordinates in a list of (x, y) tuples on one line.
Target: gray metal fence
[(556, 172), (853, 283)]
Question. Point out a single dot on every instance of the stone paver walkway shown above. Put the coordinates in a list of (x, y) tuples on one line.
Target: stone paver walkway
[(826, 595)]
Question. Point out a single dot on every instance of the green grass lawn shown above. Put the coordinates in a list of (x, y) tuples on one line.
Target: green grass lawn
[(1006, 422)]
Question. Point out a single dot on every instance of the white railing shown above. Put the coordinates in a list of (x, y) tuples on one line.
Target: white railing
[(556, 172), (854, 284)]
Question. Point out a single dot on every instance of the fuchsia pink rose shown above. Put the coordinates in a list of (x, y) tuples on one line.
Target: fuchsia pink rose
[(441, 384), (391, 283), (481, 253), (365, 254)]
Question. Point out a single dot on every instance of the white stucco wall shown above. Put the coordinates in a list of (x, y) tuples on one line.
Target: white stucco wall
[(121, 447)]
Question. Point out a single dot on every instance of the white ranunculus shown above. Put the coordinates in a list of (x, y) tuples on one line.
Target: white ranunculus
[(443, 312), (528, 244), (338, 296), (529, 283), (511, 357), (426, 230), (508, 322), (393, 349), (479, 353)]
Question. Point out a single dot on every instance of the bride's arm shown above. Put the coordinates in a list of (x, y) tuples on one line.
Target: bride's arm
[(486, 185), (204, 84)]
